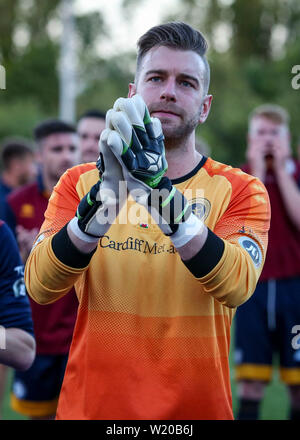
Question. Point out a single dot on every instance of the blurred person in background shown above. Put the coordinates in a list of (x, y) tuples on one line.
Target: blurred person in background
[(18, 168), (89, 127), (35, 391), (17, 343), (264, 323)]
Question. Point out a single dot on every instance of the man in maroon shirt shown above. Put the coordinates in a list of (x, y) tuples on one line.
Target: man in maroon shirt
[(35, 392), (89, 128), (266, 324)]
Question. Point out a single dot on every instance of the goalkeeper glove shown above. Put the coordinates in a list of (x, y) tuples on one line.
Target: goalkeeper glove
[(141, 152), (100, 206)]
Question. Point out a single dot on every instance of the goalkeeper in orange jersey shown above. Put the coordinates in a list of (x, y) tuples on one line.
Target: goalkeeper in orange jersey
[(161, 243)]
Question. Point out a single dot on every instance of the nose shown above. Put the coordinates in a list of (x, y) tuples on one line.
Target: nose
[(168, 92), (68, 155), (269, 138)]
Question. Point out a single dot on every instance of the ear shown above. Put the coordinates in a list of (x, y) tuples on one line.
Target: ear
[(132, 90), (205, 108)]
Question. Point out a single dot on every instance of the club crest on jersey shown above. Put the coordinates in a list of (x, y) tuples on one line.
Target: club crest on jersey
[(200, 207), (253, 250)]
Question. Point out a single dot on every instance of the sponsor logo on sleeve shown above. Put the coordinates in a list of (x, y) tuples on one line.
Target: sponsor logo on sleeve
[(253, 250)]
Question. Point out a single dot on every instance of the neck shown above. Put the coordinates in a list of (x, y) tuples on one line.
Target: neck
[(48, 182), (182, 158)]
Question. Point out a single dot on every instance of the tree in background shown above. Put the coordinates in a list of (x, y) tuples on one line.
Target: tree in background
[(29, 56), (252, 48)]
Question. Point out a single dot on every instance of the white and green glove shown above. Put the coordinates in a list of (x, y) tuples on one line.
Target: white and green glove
[(140, 150), (101, 205)]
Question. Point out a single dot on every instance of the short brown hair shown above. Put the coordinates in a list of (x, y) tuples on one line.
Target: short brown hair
[(175, 35), (15, 148), (273, 112)]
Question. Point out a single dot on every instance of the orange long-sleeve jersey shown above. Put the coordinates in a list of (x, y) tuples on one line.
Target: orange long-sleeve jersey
[(151, 340)]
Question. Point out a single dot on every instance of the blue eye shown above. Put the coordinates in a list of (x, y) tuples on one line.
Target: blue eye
[(186, 84), (154, 79)]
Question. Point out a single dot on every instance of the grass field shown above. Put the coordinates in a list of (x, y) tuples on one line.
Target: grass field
[(274, 405)]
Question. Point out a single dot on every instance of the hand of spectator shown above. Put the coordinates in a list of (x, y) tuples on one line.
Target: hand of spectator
[(281, 150), (256, 153)]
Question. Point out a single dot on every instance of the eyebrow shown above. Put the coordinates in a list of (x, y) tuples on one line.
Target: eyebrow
[(181, 75), (62, 146)]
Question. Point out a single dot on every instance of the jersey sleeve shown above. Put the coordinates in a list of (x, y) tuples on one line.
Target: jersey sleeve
[(15, 309), (8, 215), (244, 229), (42, 285)]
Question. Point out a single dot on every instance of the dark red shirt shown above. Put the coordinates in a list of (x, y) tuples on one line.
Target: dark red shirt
[(53, 323), (283, 254)]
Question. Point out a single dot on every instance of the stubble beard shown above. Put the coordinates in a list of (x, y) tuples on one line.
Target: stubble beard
[(176, 137)]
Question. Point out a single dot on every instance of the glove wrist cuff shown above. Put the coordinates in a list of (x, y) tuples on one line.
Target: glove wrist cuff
[(73, 225), (187, 230)]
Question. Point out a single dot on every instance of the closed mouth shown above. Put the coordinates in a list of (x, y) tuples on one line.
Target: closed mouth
[(167, 112)]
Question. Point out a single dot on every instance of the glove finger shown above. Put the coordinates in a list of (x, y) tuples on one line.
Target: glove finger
[(134, 110), (103, 138), (100, 164), (115, 143), (131, 144), (111, 163), (118, 105), (122, 125), (105, 153), (142, 110), (156, 126), (124, 155), (146, 133), (139, 117), (108, 123)]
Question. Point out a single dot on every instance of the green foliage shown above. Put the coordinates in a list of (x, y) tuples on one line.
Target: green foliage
[(33, 76), (250, 72), (19, 117), (89, 27), (105, 81)]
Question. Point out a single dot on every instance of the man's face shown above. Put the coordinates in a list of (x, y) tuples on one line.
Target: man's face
[(171, 83), (89, 130), (266, 134), (25, 169), (58, 152)]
